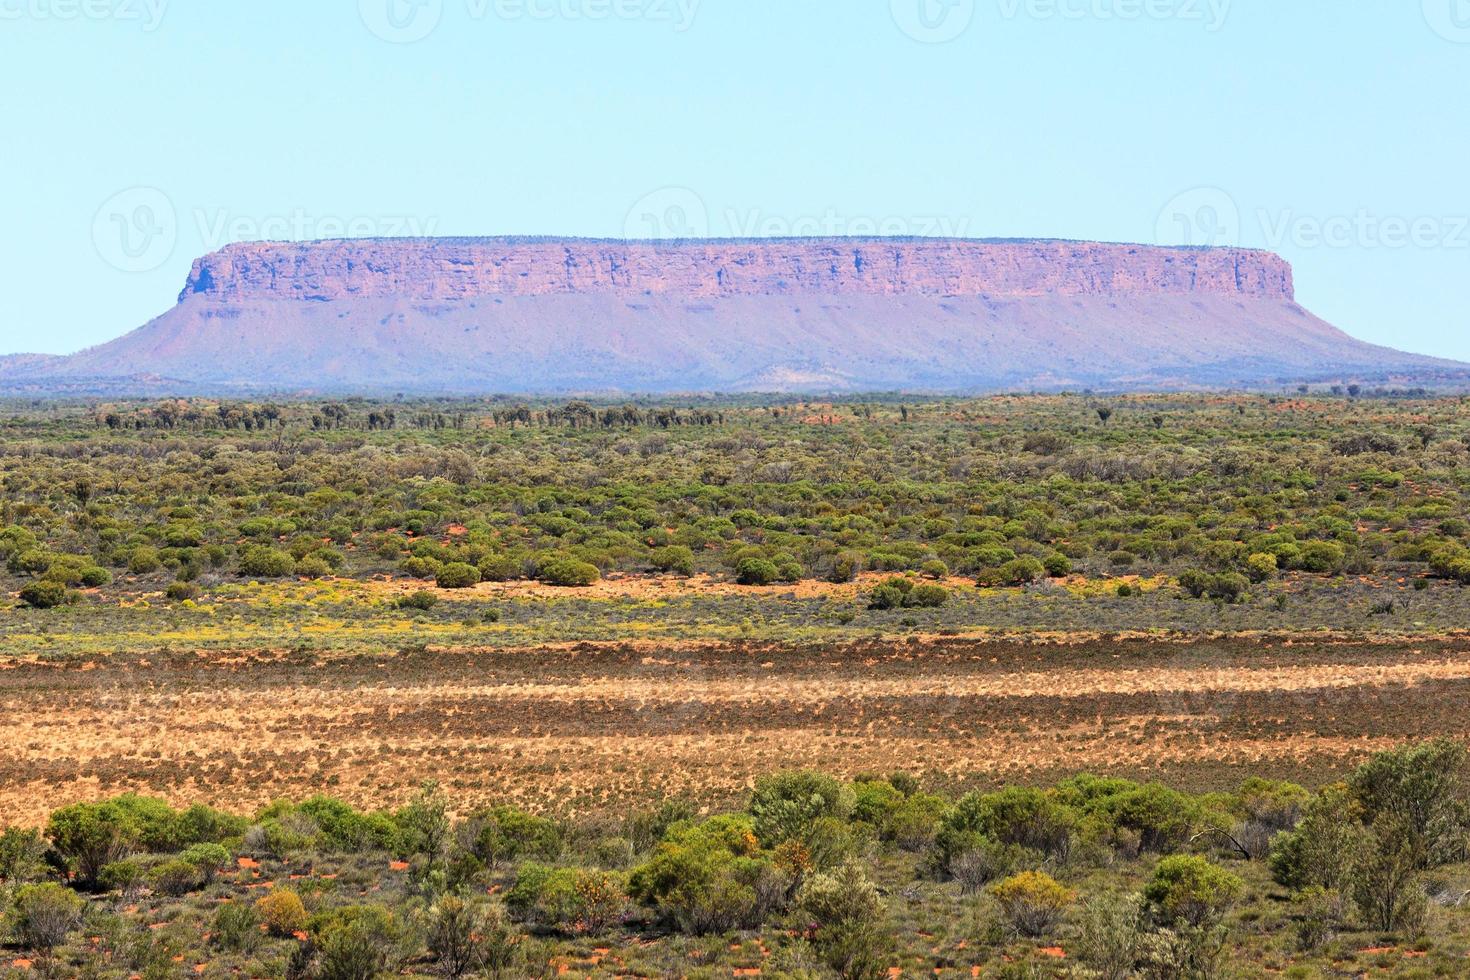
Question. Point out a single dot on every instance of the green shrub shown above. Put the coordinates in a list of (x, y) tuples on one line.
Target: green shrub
[(935, 569), (1020, 571), (313, 567), (1387, 885), (1032, 902), (505, 834), (261, 562), (359, 942), (1026, 818), (45, 915), (469, 938), (144, 560), (206, 859), (847, 566), (927, 597), (499, 568), (45, 595), (90, 836), (458, 575), (569, 573), (422, 600), (1057, 565), (567, 898), (236, 927), (676, 559), (1190, 890), (707, 878), (175, 878), (181, 591), (1426, 789), (282, 912), (756, 571), (1151, 818), (1261, 567), (916, 822), (22, 855), (125, 876), (785, 805), (847, 911)]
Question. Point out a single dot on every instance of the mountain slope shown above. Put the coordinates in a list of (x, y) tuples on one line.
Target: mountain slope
[(556, 315)]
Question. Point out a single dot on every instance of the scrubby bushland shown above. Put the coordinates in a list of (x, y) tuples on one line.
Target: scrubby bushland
[(1221, 496), (830, 877)]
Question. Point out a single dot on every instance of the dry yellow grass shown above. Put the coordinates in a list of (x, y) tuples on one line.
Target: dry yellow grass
[(589, 724)]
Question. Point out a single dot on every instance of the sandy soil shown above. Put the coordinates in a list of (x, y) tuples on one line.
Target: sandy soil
[(571, 727)]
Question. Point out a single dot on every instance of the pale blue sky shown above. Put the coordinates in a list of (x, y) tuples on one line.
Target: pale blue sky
[(141, 133)]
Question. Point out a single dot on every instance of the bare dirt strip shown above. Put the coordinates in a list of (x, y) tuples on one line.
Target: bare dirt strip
[(570, 727)]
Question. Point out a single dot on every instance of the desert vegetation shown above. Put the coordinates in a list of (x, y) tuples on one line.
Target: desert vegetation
[(1221, 496), (810, 876), (1160, 686)]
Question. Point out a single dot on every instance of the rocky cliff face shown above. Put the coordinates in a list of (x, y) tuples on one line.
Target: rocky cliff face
[(558, 316), (460, 269)]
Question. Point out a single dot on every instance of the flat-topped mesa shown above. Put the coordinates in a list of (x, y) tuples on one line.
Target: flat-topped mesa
[(449, 269)]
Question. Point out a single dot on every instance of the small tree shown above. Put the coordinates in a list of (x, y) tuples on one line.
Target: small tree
[(91, 836), (1112, 934), (470, 938), (846, 910)]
